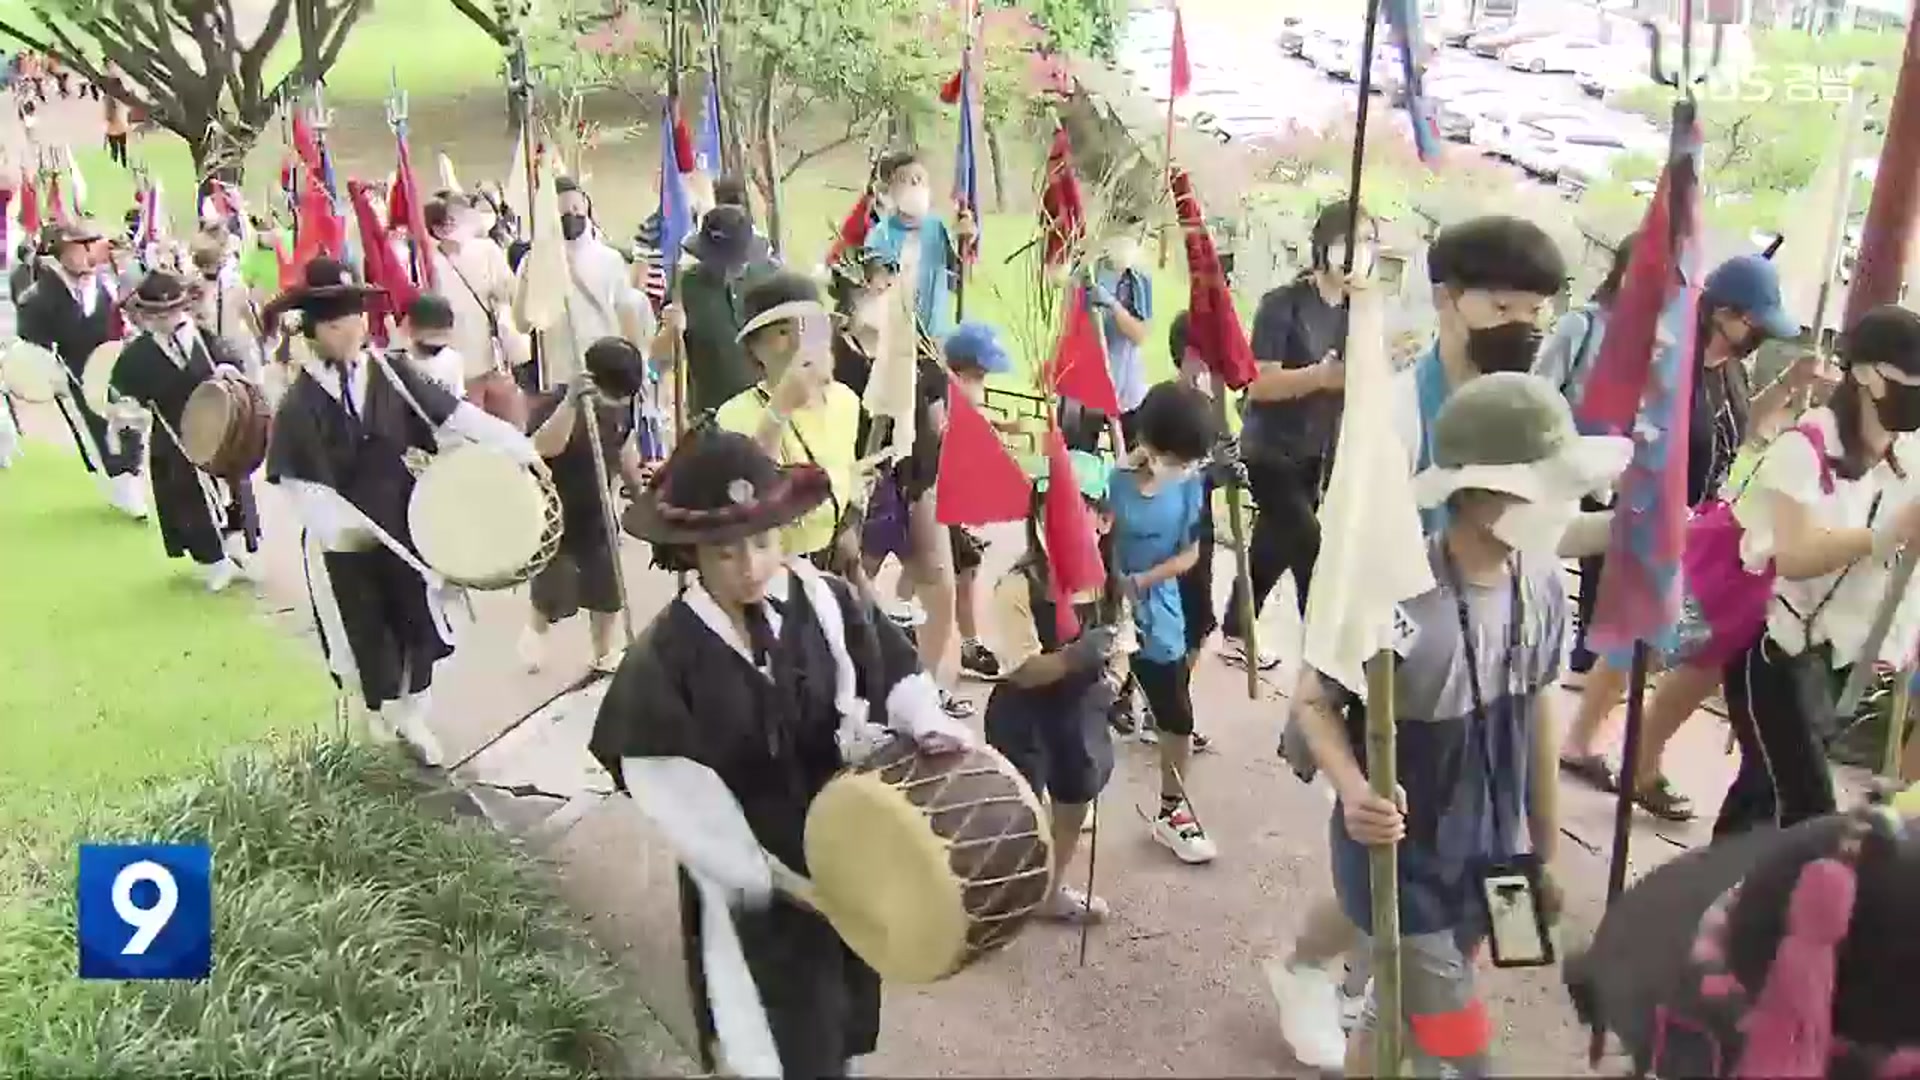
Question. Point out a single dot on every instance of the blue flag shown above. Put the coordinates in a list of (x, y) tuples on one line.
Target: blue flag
[(1403, 18), (676, 211), (706, 151), (966, 166)]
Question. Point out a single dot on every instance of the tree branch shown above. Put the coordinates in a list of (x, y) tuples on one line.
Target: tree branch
[(486, 22), (804, 156)]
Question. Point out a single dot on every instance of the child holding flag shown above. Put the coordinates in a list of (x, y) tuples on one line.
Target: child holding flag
[(919, 242)]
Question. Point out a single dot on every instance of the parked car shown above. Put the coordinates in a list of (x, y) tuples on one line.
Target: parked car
[(1346, 66), (1603, 79), (1489, 43), (1579, 170), (1455, 115), (1547, 147), (1324, 47), (1551, 54), (1293, 36), (1495, 122)]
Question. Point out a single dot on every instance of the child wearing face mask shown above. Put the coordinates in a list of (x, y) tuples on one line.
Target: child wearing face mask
[(1121, 296), (1478, 657), (920, 243), (1830, 517), (581, 575), (1158, 506), (428, 323)]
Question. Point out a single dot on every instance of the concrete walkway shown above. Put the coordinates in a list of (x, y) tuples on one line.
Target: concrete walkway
[(1171, 985)]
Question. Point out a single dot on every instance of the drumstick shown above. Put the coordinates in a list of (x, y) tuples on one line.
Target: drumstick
[(1093, 855), (590, 405)]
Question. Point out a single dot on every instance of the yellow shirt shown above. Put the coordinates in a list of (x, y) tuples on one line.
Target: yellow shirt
[(823, 434)]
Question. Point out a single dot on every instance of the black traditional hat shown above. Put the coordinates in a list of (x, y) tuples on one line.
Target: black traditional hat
[(1775, 953), (330, 290), (55, 236), (778, 297), (159, 292), (720, 487), (725, 237)]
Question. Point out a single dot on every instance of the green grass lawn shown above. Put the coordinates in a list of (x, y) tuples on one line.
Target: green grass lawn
[(115, 666)]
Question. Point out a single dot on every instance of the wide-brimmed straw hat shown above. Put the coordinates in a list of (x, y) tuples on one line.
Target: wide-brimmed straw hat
[(1773, 953), (160, 292), (720, 488), (1513, 433), (779, 297), (330, 289)]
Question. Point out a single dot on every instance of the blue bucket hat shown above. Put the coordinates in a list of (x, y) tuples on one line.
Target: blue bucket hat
[(978, 344), (1750, 285)]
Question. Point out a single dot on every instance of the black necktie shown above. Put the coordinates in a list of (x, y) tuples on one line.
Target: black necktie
[(766, 655), (346, 395)]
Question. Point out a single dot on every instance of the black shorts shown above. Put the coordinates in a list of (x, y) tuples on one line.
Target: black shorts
[(580, 577), (968, 549), (1064, 749), (1168, 689), (1196, 598)]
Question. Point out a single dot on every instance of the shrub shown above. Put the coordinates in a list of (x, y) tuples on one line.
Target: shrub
[(357, 933)]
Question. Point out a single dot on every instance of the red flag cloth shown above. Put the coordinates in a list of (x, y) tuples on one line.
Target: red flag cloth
[(1214, 333), (317, 229), (56, 206), (29, 204), (1062, 210), (683, 144), (950, 90), (853, 231), (1180, 69), (1073, 546), (380, 268), (1078, 369), (290, 275), (410, 211), (979, 483), (307, 146)]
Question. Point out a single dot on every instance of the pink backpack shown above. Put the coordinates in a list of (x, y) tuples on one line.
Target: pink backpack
[(1726, 604)]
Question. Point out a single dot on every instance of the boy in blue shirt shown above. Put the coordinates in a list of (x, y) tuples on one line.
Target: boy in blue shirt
[(1158, 505), (919, 242)]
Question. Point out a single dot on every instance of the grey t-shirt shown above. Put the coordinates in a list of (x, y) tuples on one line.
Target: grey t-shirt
[(1466, 776)]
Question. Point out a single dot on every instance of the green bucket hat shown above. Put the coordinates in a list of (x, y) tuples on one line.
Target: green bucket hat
[(1513, 433), (1091, 471)]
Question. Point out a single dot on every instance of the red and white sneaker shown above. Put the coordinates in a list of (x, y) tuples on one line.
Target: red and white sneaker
[(1179, 832)]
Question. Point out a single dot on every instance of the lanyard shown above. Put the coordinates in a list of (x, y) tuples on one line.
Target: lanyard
[(1482, 716)]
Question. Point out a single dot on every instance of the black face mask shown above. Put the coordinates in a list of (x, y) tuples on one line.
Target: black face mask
[(573, 226), (1507, 347), (1898, 407), (425, 348)]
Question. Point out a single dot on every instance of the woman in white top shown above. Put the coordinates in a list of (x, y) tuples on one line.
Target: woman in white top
[(1832, 531)]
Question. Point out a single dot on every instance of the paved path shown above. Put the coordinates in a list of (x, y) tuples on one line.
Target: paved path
[(1172, 984)]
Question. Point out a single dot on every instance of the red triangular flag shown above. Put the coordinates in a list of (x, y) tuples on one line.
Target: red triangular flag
[(1078, 369), (1073, 546), (683, 155), (406, 190), (1214, 333), (1062, 210), (1180, 70), (950, 90), (853, 231), (979, 483), (380, 266)]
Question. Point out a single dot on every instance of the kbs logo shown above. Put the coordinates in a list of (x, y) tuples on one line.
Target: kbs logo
[(146, 911)]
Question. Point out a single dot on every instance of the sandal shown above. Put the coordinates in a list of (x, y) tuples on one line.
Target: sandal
[(1591, 770), (1660, 799)]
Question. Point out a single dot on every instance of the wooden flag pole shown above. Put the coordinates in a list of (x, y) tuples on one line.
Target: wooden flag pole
[(1623, 803), (1242, 562), (1897, 724), (1382, 736)]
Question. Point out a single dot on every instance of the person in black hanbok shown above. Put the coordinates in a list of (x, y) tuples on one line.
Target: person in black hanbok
[(212, 520), (69, 310), (341, 439), (769, 674)]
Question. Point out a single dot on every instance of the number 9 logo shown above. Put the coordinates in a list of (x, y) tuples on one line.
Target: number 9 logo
[(147, 922)]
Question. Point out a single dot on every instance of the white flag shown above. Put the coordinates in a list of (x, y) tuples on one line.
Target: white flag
[(892, 381), (447, 179), (1372, 554), (544, 274), (1819, 211), (517, 197), (79, 185)]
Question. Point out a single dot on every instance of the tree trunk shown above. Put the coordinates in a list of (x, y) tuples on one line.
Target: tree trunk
[(900, 129), (214, 159), (999, 170), (763, 134)]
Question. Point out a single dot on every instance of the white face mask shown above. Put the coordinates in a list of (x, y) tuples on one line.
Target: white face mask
[(1362, 258), (1534, 527), (913, 202), (1123, 252)]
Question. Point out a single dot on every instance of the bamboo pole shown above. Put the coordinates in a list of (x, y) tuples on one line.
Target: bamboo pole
[(1897, 724), (1242, 564), (589, 403)]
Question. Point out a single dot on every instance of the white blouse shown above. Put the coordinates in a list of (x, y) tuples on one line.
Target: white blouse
[(1842, 604)]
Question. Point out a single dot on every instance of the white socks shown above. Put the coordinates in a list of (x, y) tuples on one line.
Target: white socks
[(128, 494), (218, 576), (408, 718)]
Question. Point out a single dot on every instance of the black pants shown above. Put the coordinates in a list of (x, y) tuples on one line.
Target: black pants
[(1781, 707), (384, 613), (1196, 585), (1286, 534), (1168, 688), (1580, 658), (117, 149)]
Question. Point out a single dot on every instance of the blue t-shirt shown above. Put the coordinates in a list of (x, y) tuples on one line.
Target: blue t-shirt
[(1132, 290), (1147, 531), (933, 293)]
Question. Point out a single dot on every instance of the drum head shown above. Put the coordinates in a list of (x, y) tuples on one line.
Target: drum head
[(30, 372), (96, 381), (884, 881), (477, 516), (205, 421)]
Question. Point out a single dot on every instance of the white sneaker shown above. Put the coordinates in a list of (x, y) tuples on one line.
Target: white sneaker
[(608, 663), (1354, 1006), (245, 563), (409, 718), (128, 495), (1309, 1001), (1180, 832), (1234, 651), (218, 576), (532, 648)]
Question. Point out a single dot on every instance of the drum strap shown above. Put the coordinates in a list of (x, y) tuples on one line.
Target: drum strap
[(216, 506), (413, 403)]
